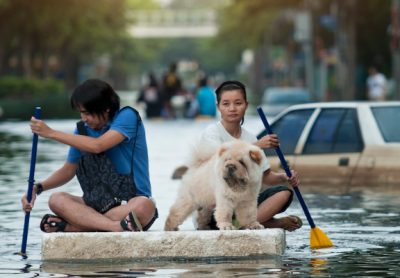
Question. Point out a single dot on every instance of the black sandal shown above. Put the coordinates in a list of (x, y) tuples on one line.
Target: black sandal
[(59, 225), (135, 223)]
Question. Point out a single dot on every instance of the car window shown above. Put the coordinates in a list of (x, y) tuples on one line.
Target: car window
[(334, 131), (388, 119), (288, 128), (348, 136)]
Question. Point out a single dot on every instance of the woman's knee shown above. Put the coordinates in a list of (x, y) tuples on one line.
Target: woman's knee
[(284, 195)]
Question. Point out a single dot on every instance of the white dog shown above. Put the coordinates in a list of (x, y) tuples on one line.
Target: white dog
[(227, 178)]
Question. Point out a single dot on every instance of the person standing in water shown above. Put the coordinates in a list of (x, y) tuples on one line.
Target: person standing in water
[(232, 103)]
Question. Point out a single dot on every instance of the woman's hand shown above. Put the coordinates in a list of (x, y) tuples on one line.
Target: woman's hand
[(269, 141), (294, 180), (40, 128)]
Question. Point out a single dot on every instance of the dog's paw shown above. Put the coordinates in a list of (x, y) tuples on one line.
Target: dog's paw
[(254, 226), (226, 226), (203, 227), (170, 228)]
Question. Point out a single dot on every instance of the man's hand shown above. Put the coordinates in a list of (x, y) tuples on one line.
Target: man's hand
[(40, 128), (29, 206), (269, 141), (294, 180)]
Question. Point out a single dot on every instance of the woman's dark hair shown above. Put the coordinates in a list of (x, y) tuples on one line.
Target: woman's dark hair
[(231, 86), (96, 96)]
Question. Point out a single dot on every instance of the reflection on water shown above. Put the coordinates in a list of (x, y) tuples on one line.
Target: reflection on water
[(363, 223)]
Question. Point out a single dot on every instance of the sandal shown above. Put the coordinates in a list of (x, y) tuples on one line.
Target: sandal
[(299, 222), (59, 225), (134, 221)]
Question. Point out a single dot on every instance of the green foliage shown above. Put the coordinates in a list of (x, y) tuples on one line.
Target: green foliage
[(53, 106), (74, 31), (15, 87), (246, 24)]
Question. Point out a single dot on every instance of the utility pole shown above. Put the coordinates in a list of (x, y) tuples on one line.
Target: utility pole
[(345, 45), (303, 34), (395, 46)]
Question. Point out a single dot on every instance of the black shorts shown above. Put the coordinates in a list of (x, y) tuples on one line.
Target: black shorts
[(261, 198)]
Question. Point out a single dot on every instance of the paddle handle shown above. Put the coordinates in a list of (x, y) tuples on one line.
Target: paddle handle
[(30, 183), (286, 168)]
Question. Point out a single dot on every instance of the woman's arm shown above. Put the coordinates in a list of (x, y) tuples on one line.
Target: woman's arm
[(272, 178), (269, 141)]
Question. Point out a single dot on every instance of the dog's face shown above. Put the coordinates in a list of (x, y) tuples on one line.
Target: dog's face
[(238, 162)]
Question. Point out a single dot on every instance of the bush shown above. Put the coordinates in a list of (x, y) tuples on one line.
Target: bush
[(16, 87)]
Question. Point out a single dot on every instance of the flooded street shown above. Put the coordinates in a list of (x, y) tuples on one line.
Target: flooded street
[(363, 224)]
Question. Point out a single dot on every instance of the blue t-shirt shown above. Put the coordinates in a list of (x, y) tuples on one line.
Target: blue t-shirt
[(206, 100), (121, 154)]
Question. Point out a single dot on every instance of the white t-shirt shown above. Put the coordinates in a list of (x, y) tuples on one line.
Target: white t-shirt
[(376, 86), (217, 134)]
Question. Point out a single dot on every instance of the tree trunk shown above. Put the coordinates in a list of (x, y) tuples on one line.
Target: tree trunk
[(71, 67), (346, 41)]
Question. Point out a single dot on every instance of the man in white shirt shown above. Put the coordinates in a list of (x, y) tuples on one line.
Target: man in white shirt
[(376, 85)]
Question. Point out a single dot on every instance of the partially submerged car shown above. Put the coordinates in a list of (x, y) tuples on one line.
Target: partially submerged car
[(340, 143)]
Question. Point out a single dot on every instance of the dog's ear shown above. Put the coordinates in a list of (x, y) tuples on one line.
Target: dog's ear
[(221, 150), (257, 156)]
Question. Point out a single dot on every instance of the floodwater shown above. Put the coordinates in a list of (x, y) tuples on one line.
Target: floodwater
[(363, 224)]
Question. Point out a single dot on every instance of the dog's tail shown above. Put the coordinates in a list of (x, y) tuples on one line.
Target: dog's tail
[(201, 152)]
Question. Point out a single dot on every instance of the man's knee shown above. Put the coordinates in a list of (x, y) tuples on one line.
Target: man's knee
[(142, 205), (57, 200)]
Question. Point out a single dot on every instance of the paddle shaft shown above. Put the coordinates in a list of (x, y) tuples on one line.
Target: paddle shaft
[(30, 183), (287, 170)]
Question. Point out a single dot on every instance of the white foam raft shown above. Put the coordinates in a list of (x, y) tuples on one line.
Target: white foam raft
[(160, 244)]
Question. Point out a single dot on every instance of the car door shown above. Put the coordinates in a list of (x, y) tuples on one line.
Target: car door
[(380, 163), (289, 128), (332, 148)]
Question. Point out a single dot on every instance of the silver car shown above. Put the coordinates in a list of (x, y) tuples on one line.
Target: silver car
[(340, 144), (277, 99)]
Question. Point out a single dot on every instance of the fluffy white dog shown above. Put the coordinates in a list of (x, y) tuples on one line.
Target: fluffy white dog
[(227, 178)]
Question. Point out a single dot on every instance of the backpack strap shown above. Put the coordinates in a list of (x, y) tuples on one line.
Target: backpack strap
[(81, 128)]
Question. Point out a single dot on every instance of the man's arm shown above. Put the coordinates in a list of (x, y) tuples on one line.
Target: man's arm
[(272, 178), (58, 178), (85, 143)]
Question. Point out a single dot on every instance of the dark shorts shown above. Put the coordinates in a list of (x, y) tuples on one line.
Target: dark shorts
[(145, 228), (261, 198), (271, 191)]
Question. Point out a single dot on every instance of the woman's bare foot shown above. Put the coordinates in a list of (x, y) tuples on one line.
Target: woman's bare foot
[(289, 223)]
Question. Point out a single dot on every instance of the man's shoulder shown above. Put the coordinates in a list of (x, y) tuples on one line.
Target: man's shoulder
[(126, 114)]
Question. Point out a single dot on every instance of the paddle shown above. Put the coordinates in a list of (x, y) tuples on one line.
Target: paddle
[(318, 239), (30, 185)]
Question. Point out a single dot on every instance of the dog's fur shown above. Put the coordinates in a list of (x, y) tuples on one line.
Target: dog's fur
[(228, 177)]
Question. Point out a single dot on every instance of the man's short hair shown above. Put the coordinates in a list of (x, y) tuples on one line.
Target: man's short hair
[(96, 96)]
